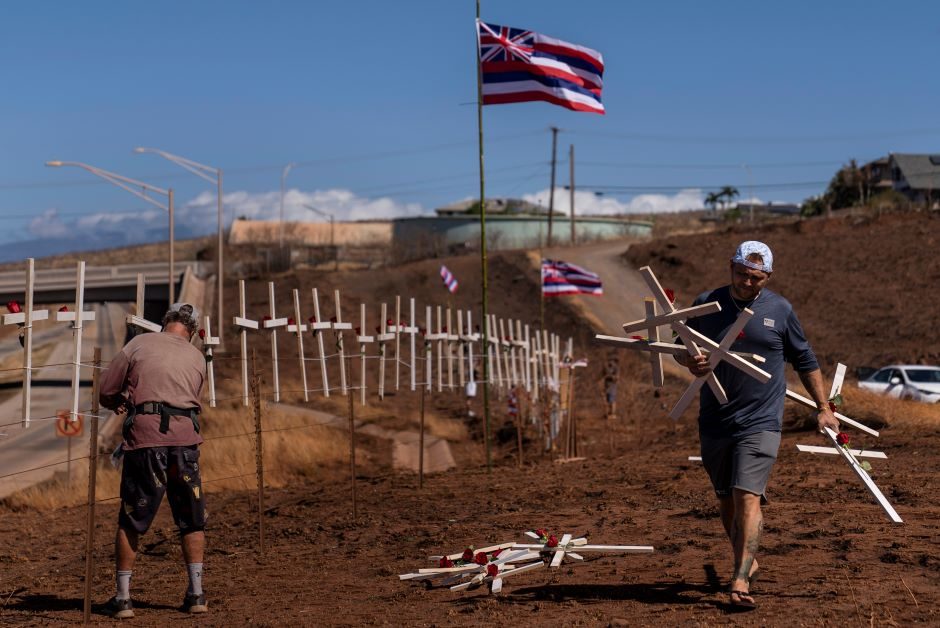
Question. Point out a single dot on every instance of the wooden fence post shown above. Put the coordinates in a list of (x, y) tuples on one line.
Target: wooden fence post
[(92, 479), (259, 447), (421, 444), (352, 457)]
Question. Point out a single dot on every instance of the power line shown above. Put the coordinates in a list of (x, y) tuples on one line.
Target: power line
[(795, 185), (779, 139)]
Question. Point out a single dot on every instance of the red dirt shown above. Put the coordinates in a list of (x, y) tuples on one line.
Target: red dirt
[(829, 555)]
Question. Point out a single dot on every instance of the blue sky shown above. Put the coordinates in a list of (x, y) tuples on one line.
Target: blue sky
[(374, 101)]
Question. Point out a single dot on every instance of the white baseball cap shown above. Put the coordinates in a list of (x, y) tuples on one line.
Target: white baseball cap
[(753, 247), (186, 308)]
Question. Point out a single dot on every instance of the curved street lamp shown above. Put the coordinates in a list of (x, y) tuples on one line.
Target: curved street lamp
[(130, 185), (212, 175), (284, 174)]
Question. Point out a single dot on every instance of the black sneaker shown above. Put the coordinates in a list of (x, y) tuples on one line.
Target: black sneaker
[(193, 603), (119, 609)]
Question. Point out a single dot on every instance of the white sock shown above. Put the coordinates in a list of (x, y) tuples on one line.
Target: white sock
[(123, 585), (195, 578)]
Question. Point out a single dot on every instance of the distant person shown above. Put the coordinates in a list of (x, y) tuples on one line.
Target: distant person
[(611, 377), (157, 378), (740, 439), (471, 391)]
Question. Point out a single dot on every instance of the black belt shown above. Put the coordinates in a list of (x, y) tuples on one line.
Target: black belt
[(165, 411)]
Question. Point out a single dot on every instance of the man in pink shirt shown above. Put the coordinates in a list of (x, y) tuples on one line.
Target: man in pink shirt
[(157, 380)]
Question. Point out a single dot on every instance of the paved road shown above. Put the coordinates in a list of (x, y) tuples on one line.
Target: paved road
[(38, 445)]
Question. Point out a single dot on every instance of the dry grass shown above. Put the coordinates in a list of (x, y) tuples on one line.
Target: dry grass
[(873, 409), (448, 429), (293, 448)]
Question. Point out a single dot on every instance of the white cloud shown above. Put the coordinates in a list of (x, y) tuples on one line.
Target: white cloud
[(587, 202)]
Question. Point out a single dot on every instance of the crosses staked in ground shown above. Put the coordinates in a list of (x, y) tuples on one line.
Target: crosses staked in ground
[(24, 320), (318, 325), (272, 322), (77, 318), (244, 324), (209, 341)]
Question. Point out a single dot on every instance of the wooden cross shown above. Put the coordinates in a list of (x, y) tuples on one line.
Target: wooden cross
[(397, 332), (567, 545), (720, 353), (383, 337), (523, 343), (137, 319), (493, 350), (272, 322), (850, 458), (299, 329), (462, 341), (241, 321), (25, 321), (77, 318), (318, 325), (363, 340), (440, 337), (209, 341), (428, 336), (452, 340), (338, 328), (471, 337)]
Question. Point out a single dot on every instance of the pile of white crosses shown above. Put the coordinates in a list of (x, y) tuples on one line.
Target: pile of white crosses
[(696, 344), (488, 566)]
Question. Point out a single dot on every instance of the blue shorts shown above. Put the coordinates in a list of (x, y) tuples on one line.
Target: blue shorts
[(740, 462)]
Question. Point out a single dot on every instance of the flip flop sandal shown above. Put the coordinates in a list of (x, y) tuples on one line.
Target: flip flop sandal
[(742, 601)]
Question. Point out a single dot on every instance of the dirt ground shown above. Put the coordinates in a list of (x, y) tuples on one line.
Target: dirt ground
[(829, 554)]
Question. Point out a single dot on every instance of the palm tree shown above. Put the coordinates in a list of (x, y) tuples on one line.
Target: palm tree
[(712, 199), (728, 192)]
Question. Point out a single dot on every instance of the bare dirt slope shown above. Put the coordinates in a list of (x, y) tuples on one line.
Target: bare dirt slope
[(830, 555)]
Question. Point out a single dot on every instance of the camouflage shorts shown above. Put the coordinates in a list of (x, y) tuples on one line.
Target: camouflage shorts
[(150, 472)]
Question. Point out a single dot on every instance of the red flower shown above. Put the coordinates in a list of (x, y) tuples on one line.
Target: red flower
[(497, 553), (481, 558), (332, 319), (312, 319), (64, 308), (444, 330), (401, 323), (445, 562), (357, 331), (637, 338), (290, 321), (14, 307), (842, 438), (670, 295), (202, 333), (492, 570), (741, 335), (541, 533), (467, 555), (389, 321), (832, 406), (266, 318), (552, 541)]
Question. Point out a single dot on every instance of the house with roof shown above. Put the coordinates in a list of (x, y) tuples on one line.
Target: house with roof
[(915, 176)]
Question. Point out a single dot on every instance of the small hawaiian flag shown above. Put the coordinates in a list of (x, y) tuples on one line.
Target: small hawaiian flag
[(560, 277), (449, 280)]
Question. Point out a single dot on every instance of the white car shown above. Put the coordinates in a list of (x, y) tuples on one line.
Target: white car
[(905, 381)]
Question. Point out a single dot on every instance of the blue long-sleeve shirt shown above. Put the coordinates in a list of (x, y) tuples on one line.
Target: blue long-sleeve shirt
[(775, 333)]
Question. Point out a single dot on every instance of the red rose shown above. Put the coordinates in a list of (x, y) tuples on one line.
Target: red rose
[(832, 406), (492, 570), (266, 318), (14, 307), (290, 321), (741, 335), (64, 308), (842, 438), (497, 553), (481, 558), (389, 321), (541, 533), (312, 319), (444, 330), (637, 338), (202, 333), (357, 331), (332, 319), (445, 562), (552, 541), (670, 295), (468, 554)]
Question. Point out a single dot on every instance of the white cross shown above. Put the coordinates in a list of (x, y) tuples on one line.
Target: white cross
[(850, 458), (363, 339), (428, 337), (338, 328), (383, 336), (493, 572), (299, 328), (77, 318), (209, 341), (244, 324), (137, 318), (25, 321), (318, 325), (272, 322), (452, 340)]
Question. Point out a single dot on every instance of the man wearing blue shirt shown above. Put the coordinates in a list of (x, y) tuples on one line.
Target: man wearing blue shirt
[(740, 439)]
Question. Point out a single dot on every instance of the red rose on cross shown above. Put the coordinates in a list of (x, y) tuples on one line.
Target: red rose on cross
[(497, 553), (445, 562), (202, 333), (541, 533), (467, 554), (552, 541), (14, 307), (492, 570), (670, 295), (741, 335), (481, 558), (842, 438)]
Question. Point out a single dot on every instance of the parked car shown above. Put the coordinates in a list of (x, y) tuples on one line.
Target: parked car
[(905, 381)]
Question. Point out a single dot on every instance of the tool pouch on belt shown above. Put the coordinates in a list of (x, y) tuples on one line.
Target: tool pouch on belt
[(165, 411)]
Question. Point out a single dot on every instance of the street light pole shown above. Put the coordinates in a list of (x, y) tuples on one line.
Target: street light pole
[(129, 184), (210, 174)]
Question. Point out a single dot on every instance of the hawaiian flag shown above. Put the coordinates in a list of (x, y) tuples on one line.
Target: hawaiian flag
[(559, 278), (521, 66), (449, 280)]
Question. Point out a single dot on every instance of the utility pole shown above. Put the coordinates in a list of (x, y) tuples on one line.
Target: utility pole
[(571, 178), (551, 190)]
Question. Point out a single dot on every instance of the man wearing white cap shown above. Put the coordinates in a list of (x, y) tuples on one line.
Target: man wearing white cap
[(157, 379), (740, 439)]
